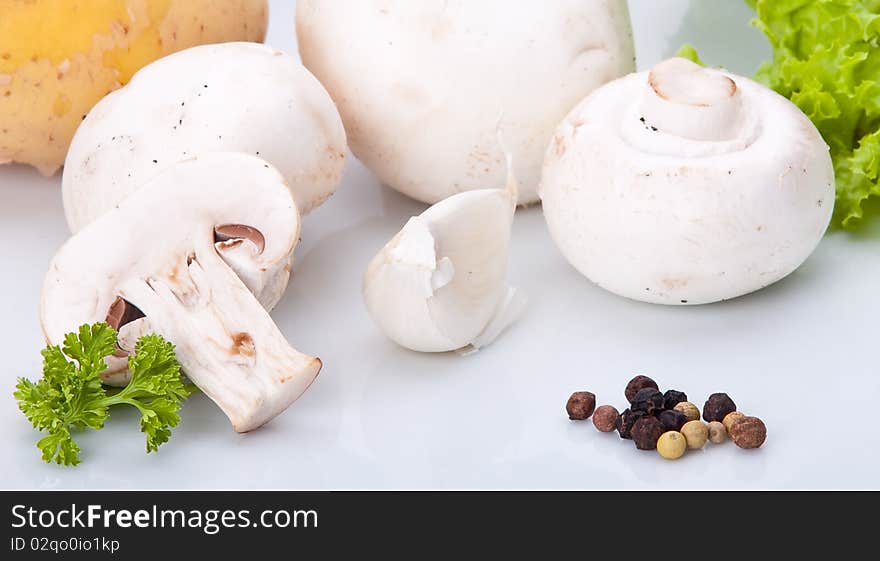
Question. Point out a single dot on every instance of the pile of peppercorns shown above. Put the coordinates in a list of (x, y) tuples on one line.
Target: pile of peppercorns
[(668, 422)]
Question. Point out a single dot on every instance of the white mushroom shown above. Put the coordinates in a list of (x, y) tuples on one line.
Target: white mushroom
[(154, 265), (420, 85), (439, 284), (686, 185), (235, 97)]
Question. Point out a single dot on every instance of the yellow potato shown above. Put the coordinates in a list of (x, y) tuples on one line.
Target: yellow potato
[(60, 57)]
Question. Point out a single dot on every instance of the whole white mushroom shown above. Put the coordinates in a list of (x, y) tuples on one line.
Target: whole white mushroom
[(686, 185), (230, 97), (421, 85)]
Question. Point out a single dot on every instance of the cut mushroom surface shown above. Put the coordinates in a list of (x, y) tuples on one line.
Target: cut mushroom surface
[(155, 264), (686, 185)]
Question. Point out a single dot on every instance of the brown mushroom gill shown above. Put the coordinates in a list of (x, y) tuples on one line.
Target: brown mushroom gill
[(121, 313), (229, 232)]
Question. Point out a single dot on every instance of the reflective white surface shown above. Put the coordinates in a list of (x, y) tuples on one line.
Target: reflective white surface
[(800, 354)]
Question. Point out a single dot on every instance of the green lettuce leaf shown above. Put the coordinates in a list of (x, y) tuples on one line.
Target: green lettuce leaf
[(689, 52), (826, 59)]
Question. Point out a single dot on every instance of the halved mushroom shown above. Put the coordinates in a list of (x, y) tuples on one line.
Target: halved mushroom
[(159, 263)]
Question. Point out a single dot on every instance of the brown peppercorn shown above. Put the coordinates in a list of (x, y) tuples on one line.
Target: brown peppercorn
[(626, 421), (636, 384), (672, 420), (646, 432), (717, 406), (648, 400), (672, 398), (731, 418), (605, 418), (748, 432), (580, 405), (689, 409), (717, 432)]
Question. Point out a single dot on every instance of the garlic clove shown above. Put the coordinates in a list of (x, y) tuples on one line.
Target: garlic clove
[(398, 284), (444, 273), (510, 309), (440, 284), (472, 230)]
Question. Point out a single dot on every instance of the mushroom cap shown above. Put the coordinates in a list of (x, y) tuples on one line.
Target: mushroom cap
[(685, 185), (230, 97), (162, 225), (421, 85)]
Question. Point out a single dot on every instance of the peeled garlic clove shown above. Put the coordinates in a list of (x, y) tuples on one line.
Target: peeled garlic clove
[(439, 284)]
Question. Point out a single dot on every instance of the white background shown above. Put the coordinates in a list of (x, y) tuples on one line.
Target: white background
[(802, 354)]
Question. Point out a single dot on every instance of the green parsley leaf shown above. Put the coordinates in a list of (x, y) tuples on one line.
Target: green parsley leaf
[(70, 395), (826, 59), (156, 388)]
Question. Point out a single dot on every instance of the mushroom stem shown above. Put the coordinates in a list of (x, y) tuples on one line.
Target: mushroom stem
[(226, 342), (237, 244), (686, 100)]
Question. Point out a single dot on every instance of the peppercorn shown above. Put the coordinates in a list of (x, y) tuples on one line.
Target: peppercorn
[(672, 420), (648, 400), (646, 432), (671, 445), (636, 384), (717, 432), (625, 422), (689, 409), (696, 433), (580, 405), (747, 432), (605, 418), (731, 418), (672, 398), (717, 406)]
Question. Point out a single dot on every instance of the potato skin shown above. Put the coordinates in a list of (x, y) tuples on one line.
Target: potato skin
[(60, 57)]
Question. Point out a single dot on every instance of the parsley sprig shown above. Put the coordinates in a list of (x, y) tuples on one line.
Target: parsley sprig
[(70, 395)]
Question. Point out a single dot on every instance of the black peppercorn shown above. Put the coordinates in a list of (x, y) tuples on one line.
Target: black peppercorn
[(636, 384), (648, 400), (717, 407), (626, 421), (580, 406), (672, 419), (646, 432), (672, 398)]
